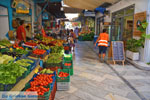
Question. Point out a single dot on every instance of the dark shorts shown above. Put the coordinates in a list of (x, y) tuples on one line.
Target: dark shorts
[(102, 49)]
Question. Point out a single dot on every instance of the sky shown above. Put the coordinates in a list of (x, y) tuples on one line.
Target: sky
[(70, 16)]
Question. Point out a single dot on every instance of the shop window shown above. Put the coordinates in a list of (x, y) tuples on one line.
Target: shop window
[(129, 11)]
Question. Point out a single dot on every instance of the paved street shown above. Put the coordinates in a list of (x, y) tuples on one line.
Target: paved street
[(93, 80)]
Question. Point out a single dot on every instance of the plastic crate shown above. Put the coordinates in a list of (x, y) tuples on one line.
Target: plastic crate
[(71, 72), (39, 56), (8, 87), (62, 86), (48, 51), (41, 97), (55, 69), (80, 38), (49, 65), (67, 65), (63, 79), (53, 92), (69, 58)]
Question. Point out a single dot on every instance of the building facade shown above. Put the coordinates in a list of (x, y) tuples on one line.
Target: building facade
[(121, 22)]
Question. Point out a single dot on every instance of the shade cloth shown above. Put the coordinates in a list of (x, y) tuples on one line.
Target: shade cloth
[(87, 4)]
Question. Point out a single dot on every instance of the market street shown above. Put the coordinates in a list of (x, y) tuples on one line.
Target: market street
[(93, 80)]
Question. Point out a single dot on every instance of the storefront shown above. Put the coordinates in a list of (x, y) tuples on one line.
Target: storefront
[(100, 22), (122, 24), (123, 17)]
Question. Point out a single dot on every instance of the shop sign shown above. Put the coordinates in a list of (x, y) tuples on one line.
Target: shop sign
[(21, 6), (90, 14), (45, 16), (138, 18)]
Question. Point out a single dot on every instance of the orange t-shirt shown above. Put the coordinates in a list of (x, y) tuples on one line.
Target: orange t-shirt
[(19, 31)]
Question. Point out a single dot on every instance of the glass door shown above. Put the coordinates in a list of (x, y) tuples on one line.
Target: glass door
[(117, 29)]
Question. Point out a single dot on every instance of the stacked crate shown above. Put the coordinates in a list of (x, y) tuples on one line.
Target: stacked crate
[(68, 63), (63, 83)]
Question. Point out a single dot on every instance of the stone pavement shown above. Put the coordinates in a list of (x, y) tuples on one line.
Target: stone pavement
[(93, 80)]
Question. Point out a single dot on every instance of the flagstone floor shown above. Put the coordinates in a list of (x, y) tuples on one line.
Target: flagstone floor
[(93, 80)]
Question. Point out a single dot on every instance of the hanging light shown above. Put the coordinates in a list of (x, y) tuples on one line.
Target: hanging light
[(61, 9)]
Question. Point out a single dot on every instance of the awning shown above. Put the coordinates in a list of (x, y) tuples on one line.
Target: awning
[(87, 4)]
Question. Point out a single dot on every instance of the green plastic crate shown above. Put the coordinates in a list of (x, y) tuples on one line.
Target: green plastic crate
[(68, 58), (67, 66), (41, 97), (71, 72), (63, 79)]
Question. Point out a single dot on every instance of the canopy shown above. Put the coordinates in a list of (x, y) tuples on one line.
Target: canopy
[(87, 4)]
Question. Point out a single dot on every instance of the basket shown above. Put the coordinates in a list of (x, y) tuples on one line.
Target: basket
[(62, 86), (63, 79)]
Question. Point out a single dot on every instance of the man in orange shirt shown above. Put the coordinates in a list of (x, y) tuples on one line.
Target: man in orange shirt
[(103, 43), (21, 33)]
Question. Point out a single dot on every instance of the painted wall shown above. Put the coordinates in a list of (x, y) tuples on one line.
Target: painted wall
[(3, 19), (7, 4)]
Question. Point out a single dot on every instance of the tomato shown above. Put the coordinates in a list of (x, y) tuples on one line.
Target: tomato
[(63, 74)]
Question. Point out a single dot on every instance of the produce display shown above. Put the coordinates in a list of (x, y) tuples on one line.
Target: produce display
[(21, 51), (39, 52), (24, 62), (44, 47), (5, 42), (17, 46), (63, 74), (46, 71), (10, 72), (54, 58), (5, 59), (39, 37), (30, 44), (47, 40), (40, 83), (87, 36), (57, 49)]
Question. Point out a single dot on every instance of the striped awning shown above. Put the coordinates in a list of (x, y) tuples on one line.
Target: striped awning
[(87, 4)]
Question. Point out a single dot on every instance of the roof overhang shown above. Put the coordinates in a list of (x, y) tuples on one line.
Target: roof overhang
[(87, 4)]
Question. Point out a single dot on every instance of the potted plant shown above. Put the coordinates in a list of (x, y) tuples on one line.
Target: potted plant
[(133, 45)]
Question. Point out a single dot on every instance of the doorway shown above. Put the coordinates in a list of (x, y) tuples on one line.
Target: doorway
[(122, 24)]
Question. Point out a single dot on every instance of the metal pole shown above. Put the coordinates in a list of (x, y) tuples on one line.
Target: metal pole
[(41, 11)]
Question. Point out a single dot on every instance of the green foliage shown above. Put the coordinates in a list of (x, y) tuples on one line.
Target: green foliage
[(56, 49), (88, 37), (10, 72), (54, 58), (134, 44)]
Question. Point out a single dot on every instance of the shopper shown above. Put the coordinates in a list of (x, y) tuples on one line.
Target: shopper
[(103, 43), (72, 38), (28, 33), (21, 33)]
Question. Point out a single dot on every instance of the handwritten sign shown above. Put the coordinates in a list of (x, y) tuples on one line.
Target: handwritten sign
[(118, 51)]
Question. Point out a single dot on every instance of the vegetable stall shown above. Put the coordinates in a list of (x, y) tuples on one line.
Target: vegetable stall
[(38, 65)]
